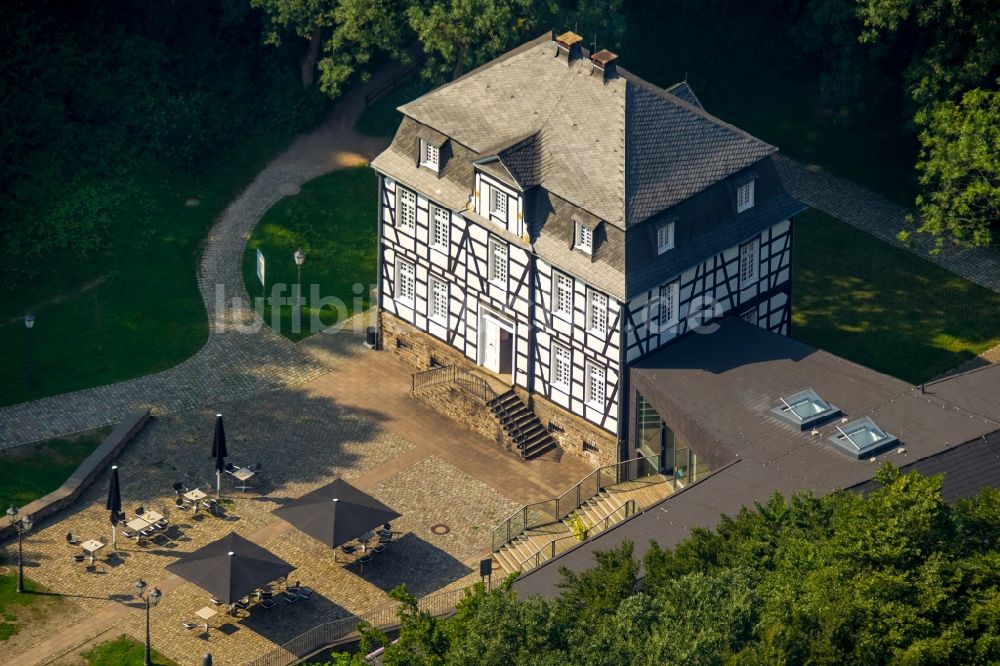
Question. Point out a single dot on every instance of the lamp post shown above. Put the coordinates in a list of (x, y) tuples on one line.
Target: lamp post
[(151, 599), (29, 323), (300, 258), (22, 526)]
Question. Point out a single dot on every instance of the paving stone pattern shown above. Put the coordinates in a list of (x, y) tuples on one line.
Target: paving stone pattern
[(873, 213)]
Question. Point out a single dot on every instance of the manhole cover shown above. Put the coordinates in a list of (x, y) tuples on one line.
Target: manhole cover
[(289, 189), (440, 529)]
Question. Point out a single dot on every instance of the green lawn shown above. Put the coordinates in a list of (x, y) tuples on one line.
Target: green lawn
[(16, 609), (333, 221), (148, 314), (123, 651), (34, 470), (382, 118), (884, 307)]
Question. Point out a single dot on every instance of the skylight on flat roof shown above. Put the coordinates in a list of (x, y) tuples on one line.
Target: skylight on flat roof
[(805, 409), (862, 438)]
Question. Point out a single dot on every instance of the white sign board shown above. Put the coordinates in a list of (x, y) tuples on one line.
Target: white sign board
[(260, 267)]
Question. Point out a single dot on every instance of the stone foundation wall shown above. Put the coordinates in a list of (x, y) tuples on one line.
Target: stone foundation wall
[(456, 404), (415, 348), (574, 434)]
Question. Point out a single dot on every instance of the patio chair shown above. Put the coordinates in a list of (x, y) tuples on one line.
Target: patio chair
[(267, 604), (215, 600), (72, 540), (179, 488), (139, 510), (79, 559), (346, 550), (380, 548), (243, 603), (255, 468), (129, 534), (290, 597), (210, 505), (365, 559), (300, 591), (230, 468), (189, 625), (181, 504)]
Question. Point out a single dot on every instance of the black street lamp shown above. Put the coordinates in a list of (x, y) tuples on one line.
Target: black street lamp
[(151, 599), (29, 323), (22, 526), (300, 258)]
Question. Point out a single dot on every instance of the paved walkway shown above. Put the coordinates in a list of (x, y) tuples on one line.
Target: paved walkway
[(241, 357), (427, 467), (873, 213)]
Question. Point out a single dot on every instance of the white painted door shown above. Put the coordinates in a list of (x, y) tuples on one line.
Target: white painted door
[(491, 345)]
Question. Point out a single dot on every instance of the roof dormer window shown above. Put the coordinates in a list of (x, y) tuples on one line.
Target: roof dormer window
[(665, 238), (744, 196), (583, 238), (429, 155)]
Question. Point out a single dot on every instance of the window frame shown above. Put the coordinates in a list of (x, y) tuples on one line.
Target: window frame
[(427, 149), (496, 196), (744, 203), (492, 247), (556, 300), (579, 233), (590, 368), (556, 349), (432, 299), (401, 218), (673, 290), (665, 247), (593, 297), (748, 280), (435, 223), (399, 295)]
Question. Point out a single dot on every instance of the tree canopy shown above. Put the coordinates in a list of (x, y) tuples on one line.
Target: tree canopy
[(899, 577)]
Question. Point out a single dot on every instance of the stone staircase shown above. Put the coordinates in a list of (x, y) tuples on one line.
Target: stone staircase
[(599, 513), (520, 424)]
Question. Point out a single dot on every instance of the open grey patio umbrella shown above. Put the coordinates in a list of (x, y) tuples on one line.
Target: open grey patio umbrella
[(336, 513), (114, 504), (219, 453), (230, 568)]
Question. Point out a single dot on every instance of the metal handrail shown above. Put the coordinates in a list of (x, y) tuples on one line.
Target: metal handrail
[(329, 633), (472, 384), (627, 505), (572, 499)]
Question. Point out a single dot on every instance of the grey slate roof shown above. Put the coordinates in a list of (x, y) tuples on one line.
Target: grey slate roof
[(686, 93), (622, 149), (730, 381)]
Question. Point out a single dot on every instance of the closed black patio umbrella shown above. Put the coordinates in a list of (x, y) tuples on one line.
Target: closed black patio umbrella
[(230, 568), (336, 513), (219, 453), (114, 504)]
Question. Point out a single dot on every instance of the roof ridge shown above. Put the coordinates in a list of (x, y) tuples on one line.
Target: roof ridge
[(517, 50), (674, 99)]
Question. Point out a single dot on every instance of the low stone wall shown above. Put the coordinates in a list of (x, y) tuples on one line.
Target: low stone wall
[(574, 434), (85, 474), (456, 404)]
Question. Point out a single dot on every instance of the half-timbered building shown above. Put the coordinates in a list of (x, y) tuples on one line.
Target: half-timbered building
[(549, 219)]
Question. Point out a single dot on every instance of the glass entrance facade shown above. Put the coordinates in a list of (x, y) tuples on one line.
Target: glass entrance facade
[(656, 440)]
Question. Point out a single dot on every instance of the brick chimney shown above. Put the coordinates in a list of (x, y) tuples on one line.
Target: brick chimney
[(603, 65), (568, 47)]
